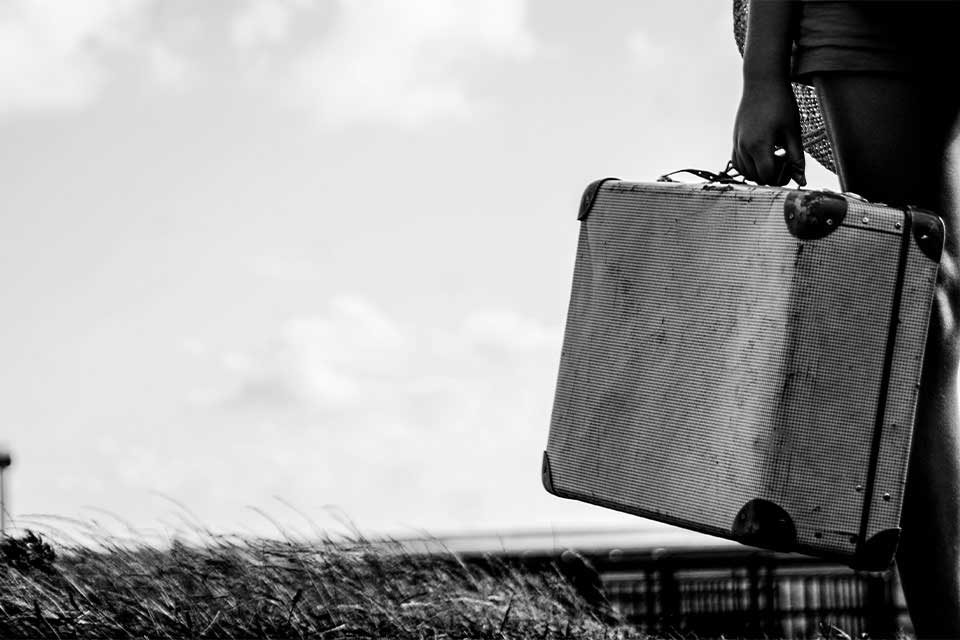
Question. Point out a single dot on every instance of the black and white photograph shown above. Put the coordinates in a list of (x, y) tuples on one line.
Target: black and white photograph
[(500, 319)]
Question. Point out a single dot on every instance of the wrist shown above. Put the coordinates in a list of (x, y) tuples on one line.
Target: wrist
[(761, 81), (766, 69)]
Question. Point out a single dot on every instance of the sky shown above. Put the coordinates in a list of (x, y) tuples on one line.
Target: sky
[(278, 261)]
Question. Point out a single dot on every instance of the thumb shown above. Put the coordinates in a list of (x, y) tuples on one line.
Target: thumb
[(795, 157)]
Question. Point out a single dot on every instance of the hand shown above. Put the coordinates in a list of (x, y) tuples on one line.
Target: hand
[(767, 119)]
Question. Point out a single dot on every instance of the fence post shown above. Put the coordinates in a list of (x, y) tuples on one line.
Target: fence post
[(669, 594), (650, 598), (880, 611), (773, 628), (753, 616), (4, 463)]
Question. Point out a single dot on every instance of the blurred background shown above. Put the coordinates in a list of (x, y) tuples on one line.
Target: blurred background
[(315, 256)]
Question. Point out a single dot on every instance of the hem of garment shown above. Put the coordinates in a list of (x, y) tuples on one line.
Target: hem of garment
[(829, 59)]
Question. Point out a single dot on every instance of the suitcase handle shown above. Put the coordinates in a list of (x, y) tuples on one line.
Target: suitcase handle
[(730, 174), (726, 176)]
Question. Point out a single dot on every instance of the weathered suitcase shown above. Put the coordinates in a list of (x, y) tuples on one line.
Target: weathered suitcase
[(744, 361)]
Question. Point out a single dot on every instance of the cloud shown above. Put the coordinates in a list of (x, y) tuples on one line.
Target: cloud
[(288, 266), (508, 330), (168, 69), (645, 51), (397, 423), (356, 358), (48, 51), (360, 61), (264, 22), (394, 62), (56, 55), (346, 358)]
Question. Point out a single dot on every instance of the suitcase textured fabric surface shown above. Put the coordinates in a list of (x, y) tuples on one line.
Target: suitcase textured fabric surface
[(744, 361)]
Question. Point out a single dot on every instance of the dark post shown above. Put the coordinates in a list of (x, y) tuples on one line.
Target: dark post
[(754, 616), (772, 628), (670, 619), (880, 609), (650, 594), (4, 463)]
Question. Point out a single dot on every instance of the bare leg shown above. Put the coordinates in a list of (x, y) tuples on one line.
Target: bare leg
[(897, 143)]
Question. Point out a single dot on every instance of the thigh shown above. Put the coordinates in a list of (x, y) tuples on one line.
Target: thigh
[(896, 140), (889, 136)]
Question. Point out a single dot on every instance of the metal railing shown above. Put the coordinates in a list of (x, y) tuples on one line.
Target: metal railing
[(737, 592), (752, 593)]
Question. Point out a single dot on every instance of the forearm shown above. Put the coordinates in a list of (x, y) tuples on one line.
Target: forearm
[(768, 116), (766, 55)]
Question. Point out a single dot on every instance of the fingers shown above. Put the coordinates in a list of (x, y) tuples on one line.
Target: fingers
[(767, 167), (797, 162), (781, 165), (770, 165), (744, 165), (758, 167)]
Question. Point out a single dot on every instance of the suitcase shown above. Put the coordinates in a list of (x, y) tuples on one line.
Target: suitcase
[(744, 361)]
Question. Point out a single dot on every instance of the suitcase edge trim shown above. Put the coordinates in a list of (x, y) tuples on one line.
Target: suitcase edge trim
[(551, 487), (876, 555), (880, 415)]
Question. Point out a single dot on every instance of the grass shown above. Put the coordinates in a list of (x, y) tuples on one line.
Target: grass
[(236, 587)]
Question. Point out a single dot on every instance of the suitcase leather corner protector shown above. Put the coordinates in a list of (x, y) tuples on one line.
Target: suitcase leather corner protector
[(589, 195), (811, 215), (744, 361), (545, 474), (928, 232)]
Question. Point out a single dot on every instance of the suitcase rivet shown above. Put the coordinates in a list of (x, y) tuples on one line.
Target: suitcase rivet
[(859, 488), (791, 216), (897, 226), (886, 497), (865, 219), (924, 237), (829, 222)]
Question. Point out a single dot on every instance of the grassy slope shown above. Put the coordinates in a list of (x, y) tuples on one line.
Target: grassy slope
[(241, 588)]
